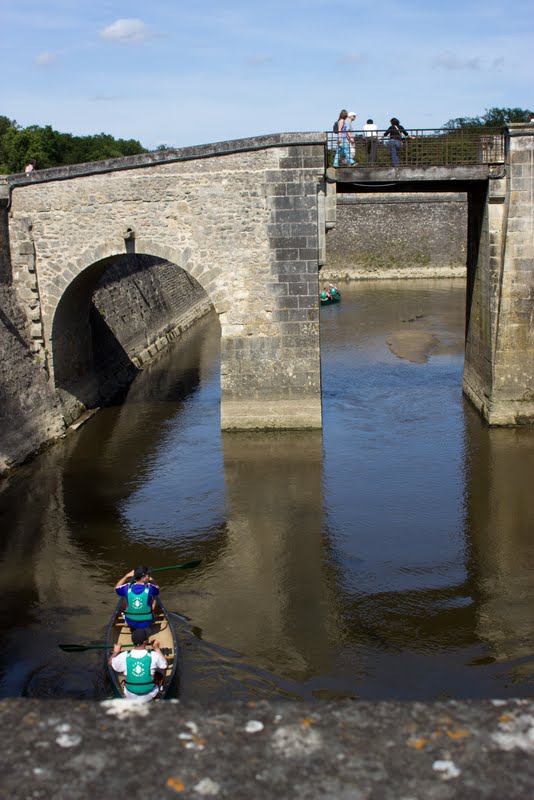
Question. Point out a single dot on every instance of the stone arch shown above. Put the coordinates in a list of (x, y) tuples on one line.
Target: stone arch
[(74, 318)]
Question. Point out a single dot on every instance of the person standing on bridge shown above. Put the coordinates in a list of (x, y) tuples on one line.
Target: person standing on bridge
[(396, 134), (343, 139), (370, 131)]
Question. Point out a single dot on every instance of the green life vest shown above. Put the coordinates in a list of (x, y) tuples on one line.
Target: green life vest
[(138, 677), (138, 607), (323, 295)]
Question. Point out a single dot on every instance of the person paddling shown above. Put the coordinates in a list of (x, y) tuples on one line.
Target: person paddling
[(139, 595), (143, 669)]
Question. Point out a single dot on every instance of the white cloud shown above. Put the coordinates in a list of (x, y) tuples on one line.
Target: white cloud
[(107, 98), (131, 31), (451, 61), (352, 58), (258, 60), (45, 59)]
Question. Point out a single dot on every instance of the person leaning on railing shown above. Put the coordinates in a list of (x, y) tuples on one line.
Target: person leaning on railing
[(396, 134)]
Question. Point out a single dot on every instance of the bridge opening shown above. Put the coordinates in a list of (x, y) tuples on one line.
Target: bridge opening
[(408, 229), (115, 316)]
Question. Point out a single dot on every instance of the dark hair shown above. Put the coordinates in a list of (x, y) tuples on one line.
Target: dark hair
[(140, 572), (140, 635), (343, 114), (370, 122), (394, 121)]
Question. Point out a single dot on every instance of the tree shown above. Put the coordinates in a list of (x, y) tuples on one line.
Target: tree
[(50, 148), (492, 118)]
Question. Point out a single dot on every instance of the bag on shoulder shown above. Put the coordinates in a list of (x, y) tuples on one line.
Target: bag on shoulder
[(334, 127)]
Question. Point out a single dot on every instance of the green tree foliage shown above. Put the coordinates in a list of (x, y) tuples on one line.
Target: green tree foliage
[(492, 118), (52, 149)]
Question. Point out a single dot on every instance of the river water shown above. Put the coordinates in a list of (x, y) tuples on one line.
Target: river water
[(390, 556)]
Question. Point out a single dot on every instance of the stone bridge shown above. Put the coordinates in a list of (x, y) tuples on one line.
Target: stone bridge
[(246, 221)]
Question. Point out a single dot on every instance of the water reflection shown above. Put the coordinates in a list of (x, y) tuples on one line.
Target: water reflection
[(388, 557)]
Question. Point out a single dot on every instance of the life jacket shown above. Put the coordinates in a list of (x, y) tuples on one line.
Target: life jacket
[(324, 295), (138, 608), (138, 677)]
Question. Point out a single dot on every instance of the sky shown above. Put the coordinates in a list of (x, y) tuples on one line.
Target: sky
[(177, 73)]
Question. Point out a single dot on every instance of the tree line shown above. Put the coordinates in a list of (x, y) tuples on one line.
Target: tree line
[(492, 118), (50, 148)]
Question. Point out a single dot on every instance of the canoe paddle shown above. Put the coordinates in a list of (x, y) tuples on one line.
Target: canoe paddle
[(188, 565), (80, 648)]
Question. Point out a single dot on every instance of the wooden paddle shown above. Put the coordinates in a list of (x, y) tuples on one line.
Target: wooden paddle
[(188, 565), (80, 648)]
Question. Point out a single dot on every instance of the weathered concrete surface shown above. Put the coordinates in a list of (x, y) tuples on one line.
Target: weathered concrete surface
[(477, 172), (64, 750)]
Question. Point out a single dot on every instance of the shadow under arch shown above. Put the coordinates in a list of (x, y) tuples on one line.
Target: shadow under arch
[(116, 312)]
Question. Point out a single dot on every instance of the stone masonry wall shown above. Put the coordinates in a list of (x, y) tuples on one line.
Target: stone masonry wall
[(139, 305), (499, 365), (397, 236), (29, 411)]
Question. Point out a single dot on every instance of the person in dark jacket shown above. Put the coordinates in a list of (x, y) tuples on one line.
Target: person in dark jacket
[(396, 134)]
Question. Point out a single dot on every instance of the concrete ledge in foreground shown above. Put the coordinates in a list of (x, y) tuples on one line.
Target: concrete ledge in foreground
[(68, 750)]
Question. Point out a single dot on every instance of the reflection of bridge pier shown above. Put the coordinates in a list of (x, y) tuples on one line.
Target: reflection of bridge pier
[(499, 526), (273, 564)]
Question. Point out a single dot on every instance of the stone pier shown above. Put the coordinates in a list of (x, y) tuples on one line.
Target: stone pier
[(499, 358)]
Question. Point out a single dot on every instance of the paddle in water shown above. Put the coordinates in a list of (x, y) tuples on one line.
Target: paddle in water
[(188, 565)]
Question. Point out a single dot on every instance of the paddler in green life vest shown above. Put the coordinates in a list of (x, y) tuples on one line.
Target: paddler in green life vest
[(143, 669), (139, 593)]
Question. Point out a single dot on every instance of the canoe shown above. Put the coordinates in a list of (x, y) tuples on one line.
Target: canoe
[(326, 301), (161, 629)]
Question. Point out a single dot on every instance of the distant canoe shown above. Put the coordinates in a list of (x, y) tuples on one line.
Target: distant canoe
[(161, 629), (327, 301)]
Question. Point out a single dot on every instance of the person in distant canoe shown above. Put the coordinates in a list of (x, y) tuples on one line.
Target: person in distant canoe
[(143, 669), (325, 294), (333, 291), (139, 594)]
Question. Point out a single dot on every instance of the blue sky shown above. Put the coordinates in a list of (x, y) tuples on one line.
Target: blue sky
[(180, 73)]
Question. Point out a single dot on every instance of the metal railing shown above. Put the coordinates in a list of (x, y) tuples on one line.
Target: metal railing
[(422, 148)]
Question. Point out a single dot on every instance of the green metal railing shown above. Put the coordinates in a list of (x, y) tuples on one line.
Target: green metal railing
[(422, 148)]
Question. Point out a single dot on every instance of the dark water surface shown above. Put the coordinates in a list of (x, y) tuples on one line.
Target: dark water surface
[(391, 556)]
